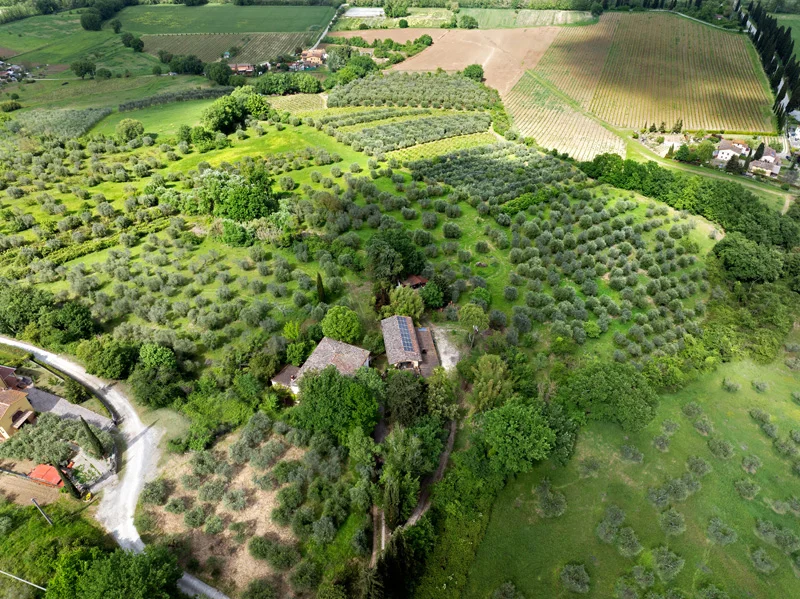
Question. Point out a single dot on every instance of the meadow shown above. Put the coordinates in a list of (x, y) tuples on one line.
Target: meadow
[(223, 18), (158, 121), (611, 468), (208, 47)]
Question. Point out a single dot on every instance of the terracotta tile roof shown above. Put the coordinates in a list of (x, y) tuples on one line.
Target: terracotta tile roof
[(8, 398), (394, 329), (430, 357), (345, 357), (9, 380), (287, 376), (46, 474)]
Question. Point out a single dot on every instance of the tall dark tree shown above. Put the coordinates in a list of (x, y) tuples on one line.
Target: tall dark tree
[(68, 485), (97, 446), (320, 288)]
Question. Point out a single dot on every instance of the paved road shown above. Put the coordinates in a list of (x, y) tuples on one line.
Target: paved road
[(140, 464)]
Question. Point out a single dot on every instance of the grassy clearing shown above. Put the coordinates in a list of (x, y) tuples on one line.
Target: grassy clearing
[(159, 120), (417, 17), (91, 93), (36, 32), (523, 547), (443, 146), (498, 18), (253, 47), (223, 18)]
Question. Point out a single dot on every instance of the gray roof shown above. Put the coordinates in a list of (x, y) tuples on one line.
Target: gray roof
[(396, 350), (347, 358)]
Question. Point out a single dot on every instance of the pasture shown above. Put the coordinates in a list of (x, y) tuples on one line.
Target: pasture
[(523, 546), (223, 18), (252, 47), (158, 120), (543, 114)]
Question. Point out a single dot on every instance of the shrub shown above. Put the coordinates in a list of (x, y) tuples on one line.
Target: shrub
[(625, 588), (672, 522), (759, 386), (214, 525), (279, 555), (235, 500), (698, 466), (306, 576), (212, 490), (720, 448), (631, 454), (176, 505), (155, 492), (260, 588), (762, 562), (667, 564), (608, 528), (191, 482), (643, 577), (575, 578), (720, 533), (759, 415), (769, 429), (730, 386), (661, 442), (669, 427), (195, 517), (692, 409), (747, 488), (589, 467), (703, 426), (628, 543), (552, 504), (712, 592)]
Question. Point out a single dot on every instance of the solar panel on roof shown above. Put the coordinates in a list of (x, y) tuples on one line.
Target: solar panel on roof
[(405, 334)]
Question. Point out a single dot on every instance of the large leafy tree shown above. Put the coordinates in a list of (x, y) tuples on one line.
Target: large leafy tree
[(474, 318), (93, 574), (746, 260), (492, 385), (405, 301), (405, 260), (516, 436), (610, 392), (107, 357), (404, 396), (334, 404), (20, 305), (342, 323)]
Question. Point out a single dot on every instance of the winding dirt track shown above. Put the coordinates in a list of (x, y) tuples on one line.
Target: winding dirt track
[(140, 461)]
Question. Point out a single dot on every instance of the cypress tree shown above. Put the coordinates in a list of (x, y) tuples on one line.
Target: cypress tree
[(320, 288), (97, 446), (67, 483)]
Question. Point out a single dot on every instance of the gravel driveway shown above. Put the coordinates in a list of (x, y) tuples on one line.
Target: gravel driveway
[(42, 401), (139, 463)]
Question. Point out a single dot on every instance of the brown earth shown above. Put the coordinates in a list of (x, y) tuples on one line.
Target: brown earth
[(21, 491), (238, 567), (505, 54)]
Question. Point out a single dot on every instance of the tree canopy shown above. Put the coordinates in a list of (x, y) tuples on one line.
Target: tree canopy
[(342, 323), (748, 261), (610, 392)]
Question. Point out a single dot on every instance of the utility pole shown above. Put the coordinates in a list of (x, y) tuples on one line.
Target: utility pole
[(23, 580), (41, 511)]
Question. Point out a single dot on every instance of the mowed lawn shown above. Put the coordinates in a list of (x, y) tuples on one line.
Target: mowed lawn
[(530, 550), (223, 18)]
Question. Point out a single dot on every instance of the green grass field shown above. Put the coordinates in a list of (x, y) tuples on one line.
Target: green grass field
[(223, 18), (159, 120), (792, 21), (499, 18), (77, 93), (36, 32), (530, 550)]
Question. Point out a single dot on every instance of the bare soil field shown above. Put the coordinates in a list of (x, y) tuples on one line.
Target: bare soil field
[(505, 54), (21, 491)]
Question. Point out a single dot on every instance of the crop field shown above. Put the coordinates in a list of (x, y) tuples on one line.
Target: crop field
[(523, 546), (253, 47), (574, 61), (297, 103), (540, 113), (498, 18), (223, 18), (443, 146), (643, 68)]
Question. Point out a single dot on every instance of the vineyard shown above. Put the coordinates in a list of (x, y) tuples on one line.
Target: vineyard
[(253, 47), (539, 113), (574, 61), (704, 76)]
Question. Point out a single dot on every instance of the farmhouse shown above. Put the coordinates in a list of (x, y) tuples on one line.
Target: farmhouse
[(770, 156), (728, 149), (414, 281), (248, 70), (345, 357), (409, 348), (314, 57), (15, 411), (765, 167), (9, 379)]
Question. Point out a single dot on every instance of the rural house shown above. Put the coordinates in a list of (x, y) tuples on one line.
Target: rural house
[(770, 156), (248, 70), (345, 357), (15, 410), (765, 167), (408, 347), (9, 379), (313, 57), (414, 281), (727, 149)]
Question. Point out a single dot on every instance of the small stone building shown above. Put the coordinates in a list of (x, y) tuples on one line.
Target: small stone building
[(345, 357), (408, 347)]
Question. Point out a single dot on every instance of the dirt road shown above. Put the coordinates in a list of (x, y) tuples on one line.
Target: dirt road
[(140, 461)]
